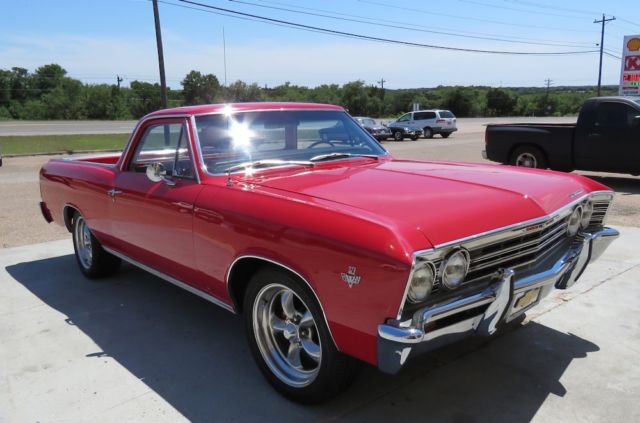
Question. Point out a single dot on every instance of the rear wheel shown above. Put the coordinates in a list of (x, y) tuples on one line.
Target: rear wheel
[(528, 156), (445, 134), (290, 340), (398, 136), (93, 260), (428, 132), (414, 137)]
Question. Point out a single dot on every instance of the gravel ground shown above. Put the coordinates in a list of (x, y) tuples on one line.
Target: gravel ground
[(21, 222)]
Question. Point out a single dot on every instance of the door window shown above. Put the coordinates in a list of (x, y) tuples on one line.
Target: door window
[(425, 115), (405, 118), (615, 115), (167, 144)]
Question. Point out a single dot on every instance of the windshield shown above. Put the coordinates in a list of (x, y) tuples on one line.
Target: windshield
[(230, 140), (368, 121)]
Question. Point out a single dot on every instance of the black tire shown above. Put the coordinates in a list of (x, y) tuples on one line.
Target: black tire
[(428, 132), (445, 134), (398, 136), (98, 263), (414, 137), (528, 156), (335, 371)]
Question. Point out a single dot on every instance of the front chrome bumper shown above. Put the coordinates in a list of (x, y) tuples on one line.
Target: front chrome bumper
[(497, 304)]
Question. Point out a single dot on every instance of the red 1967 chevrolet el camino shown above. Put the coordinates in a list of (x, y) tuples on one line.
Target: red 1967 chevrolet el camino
[(330, 248)]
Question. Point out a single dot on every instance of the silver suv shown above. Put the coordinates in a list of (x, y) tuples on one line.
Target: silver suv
[(432, 122)]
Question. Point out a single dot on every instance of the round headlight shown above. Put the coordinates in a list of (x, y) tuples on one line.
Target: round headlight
[(421, 283), (454, 269), (574, 221), (587, 211)]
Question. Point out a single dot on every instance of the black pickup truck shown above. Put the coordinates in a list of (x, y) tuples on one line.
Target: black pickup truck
[(606, 138)]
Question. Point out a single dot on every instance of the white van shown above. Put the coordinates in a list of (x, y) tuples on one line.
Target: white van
[(432, 122)]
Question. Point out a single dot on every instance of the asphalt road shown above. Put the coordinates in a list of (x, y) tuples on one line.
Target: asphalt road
[(66, 127), (135, 348)]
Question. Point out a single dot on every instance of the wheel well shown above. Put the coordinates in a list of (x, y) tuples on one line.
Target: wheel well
[(241, 272), (68, 213), (517, 146)]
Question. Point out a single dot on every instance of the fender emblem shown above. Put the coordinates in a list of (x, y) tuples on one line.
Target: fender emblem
[(575, 194), (350, 277)]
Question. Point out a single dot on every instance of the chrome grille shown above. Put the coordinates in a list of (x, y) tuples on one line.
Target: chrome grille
[(517, 251), (600, 209)]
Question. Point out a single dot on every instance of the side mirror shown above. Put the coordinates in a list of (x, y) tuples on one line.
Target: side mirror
[(156, 173)]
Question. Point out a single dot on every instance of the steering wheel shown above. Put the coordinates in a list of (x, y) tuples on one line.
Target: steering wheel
[(321, 142)]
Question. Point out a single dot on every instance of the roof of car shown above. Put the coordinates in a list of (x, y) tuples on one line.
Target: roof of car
[(242, 107)]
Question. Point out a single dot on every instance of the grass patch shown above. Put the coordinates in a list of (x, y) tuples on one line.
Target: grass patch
[(61, 143)]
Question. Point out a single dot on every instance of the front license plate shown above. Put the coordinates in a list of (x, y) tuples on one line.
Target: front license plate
[(527, 299)]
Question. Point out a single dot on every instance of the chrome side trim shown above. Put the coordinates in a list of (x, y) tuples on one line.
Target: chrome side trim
[(324, 315), (172, 280)]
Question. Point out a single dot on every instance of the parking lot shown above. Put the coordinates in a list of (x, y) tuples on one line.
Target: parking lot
[(132, 348)]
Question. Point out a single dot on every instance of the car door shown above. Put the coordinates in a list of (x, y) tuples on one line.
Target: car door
[(153, 220), (612, 142)]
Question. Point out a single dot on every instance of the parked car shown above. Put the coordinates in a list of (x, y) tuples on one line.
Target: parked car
[(606, 138), (431, 122), (402, 130), (331, 252), (380, 132)]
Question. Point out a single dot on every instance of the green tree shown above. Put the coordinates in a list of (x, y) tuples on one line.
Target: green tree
[(355, 98), (200, 89), (145, 98), (459, 101), (499, 102), (240, 91)]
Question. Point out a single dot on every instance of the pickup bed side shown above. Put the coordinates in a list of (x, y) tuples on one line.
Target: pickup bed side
[(554, 140)]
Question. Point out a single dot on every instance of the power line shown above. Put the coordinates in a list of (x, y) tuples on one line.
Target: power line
[(467, 18), (404, 27), (377, 39), (515, 9), (547, 6), (408, 24)]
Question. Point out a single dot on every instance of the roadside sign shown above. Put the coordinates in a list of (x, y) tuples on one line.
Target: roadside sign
[(630, 72)]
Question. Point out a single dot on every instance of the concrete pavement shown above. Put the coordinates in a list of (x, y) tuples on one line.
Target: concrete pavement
[(134, 348)]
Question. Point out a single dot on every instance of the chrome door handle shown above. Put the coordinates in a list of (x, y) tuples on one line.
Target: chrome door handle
[(113, 192)]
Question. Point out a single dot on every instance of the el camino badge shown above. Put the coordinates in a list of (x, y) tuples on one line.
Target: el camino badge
[(350, 277)]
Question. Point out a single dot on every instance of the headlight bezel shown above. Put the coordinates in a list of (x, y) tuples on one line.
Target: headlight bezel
[(428, 266), (574, 224), (446, 262), (587, 214)]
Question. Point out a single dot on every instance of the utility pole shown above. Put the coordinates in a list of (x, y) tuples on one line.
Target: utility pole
[(224, 56), (381, 82), (119, 80), (163, 81), (603, 21), (548, 81)]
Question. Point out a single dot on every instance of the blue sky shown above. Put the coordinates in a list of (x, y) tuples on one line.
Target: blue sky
[(97, 40)]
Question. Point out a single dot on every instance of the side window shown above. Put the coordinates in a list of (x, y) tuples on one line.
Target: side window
[(167, 144), (420, 116), (615, 115), (405, 118)]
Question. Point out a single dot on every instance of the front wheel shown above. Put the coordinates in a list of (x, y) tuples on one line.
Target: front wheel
[(428, 132), (445, 134), (93, 260), (398, 136), (290, 341), (414, 137), (528, 156)]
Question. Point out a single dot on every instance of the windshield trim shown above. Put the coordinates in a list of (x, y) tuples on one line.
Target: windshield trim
[(200, 156)]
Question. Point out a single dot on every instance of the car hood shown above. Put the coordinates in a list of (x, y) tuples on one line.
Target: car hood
[(376, 127), (444, 201)]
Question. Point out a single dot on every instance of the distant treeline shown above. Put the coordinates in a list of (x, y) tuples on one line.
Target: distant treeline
[(48, 93)]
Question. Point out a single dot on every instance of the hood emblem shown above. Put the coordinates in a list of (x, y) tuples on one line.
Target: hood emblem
[(350, 277), (575, 194)]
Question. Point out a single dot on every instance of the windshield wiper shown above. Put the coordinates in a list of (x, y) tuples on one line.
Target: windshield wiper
[(335, 156), (267, 163)]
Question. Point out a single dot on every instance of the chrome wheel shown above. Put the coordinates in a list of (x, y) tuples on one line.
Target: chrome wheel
[(526, 160), (82, 236), (287, 335)]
